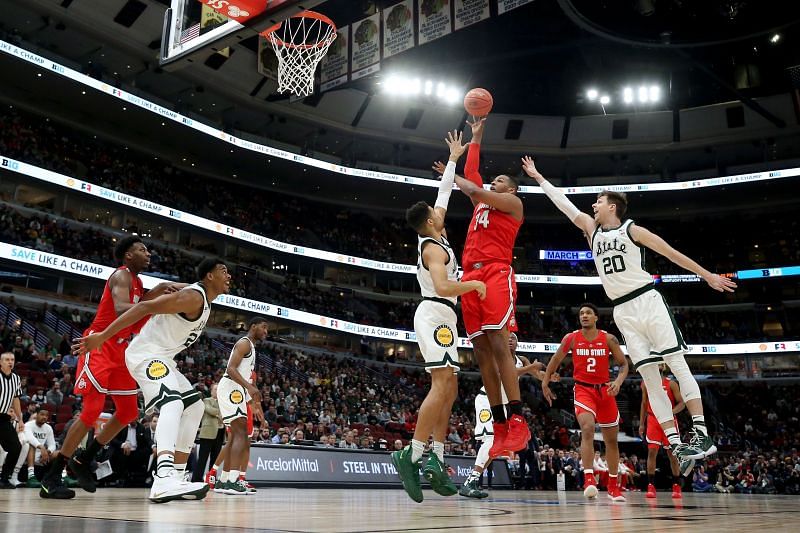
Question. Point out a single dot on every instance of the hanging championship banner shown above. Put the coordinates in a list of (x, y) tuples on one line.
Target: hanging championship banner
[(398, 28), (469, 12), (333, 69), (508, 5), (366, 54), (434, 20)]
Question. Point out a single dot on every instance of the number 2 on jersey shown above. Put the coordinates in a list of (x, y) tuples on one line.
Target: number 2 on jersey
[(591, 362), (483, 219)]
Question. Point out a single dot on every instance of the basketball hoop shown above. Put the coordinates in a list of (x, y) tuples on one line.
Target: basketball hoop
[(300, 42)]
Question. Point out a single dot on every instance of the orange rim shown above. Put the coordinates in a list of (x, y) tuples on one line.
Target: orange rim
[(269, 33)]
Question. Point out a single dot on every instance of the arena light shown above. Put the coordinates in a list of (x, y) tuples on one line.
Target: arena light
[(627, 95), (429, 87), (605, 99), (775, 39), (654, 93), (643, 94), (591, 95)]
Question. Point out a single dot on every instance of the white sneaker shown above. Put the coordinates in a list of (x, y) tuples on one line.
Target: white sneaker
[(173, 487)]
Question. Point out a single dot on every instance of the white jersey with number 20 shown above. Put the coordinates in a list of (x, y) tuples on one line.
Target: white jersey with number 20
[(619, 260)]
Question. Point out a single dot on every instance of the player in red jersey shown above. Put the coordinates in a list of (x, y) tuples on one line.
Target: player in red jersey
[(655, 437), (103, 372), (488, 251), (594, 393)]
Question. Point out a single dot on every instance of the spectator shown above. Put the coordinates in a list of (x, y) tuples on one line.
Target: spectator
[(54, 395), (700, 480), (349, 441)]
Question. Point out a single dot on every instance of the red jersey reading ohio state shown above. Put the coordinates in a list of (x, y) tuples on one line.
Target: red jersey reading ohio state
[(590, 358), (491, 234), (106, 313)]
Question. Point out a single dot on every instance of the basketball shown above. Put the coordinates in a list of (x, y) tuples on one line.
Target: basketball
[(478, 102)]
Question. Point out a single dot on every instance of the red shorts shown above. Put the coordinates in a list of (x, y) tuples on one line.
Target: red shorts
[(597, 402), (250, 427), (497, 309), (655, 436), (104, 371)]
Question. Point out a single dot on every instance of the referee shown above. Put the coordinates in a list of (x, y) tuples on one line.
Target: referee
[(9, 426)]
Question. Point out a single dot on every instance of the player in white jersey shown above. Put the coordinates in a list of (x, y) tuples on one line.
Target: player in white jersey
[(234, 392), (435, 327), (640, 312), (178, 320), (484, 427)]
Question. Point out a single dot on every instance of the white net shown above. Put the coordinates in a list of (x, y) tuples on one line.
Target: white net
[(300, 42)]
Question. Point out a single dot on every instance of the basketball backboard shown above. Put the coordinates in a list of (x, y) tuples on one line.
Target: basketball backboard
[(194, 27)]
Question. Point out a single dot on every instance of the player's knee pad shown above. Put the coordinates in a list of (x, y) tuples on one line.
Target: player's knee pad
[(659, 400), (127, 409), (91, 407), (690, 390), (190, 422)]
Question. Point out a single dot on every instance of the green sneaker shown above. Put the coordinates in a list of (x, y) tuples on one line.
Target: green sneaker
[(435, 472), (221, 487), (33, 483), (702, 442), (685, 456), (236, 488), (471, 489), (408, 472)]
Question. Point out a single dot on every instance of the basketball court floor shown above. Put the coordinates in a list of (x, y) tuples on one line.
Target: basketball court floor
[(350, 511)]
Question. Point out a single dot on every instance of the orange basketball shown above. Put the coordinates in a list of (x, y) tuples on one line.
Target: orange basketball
[(478, 102)]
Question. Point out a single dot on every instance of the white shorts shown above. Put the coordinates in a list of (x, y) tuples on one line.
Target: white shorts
[(437, 336), (649, 329), (484, 426), (160, 381), (232, 400)]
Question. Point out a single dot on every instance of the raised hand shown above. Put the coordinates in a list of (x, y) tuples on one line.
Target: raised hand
[(720, 283), (477, 128), (529, 167), (454, 143), (439, 167)]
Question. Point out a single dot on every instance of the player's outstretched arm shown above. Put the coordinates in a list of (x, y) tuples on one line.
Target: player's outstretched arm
[(552, 366), (535, 369), (680, 404), (657, 244), (457, 149), (622, 362), (177, 302), (240, 349), (581, 220), (435, 259)]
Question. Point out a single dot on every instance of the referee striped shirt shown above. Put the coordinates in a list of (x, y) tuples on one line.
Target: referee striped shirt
[(9, 389)]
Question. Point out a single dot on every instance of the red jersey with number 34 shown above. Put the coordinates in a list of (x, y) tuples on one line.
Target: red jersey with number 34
[(590, 359), (491, 234)]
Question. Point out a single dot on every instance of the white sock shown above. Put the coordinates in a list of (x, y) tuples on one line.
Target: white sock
[(215, 467), (233, 476), (30, 472), (417, 449), (474, 476), (588, 471), (165, 465), (672, 436), (224, 477), (180, 469), (699, 422), (438, 450)]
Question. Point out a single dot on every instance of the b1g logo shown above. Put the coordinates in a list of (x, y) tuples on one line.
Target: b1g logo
[(236, 397), (443, 336), (156, 370), (484, 416)]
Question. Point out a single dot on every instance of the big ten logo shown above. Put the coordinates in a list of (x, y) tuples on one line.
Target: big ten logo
[(236, 397), (484, 416), (444, 336), (157, 370), (709, 349), (7, 163)]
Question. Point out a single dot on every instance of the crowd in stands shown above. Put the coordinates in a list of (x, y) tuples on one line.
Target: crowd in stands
[(57, 235), (759, 241)]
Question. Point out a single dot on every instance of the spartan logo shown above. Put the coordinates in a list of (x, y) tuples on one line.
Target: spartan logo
[(236, 397), (444, 336), (156, 370), (484, 416)]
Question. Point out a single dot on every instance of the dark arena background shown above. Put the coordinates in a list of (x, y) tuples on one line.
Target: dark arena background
[(170, 120)]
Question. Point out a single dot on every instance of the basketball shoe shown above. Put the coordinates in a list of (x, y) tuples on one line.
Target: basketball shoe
[(614, 494), (436, 473), (80, 467), (408, 471), (251, 490), (676, 492), (701, 441), (518, 434), (589, 486), (651, 491), (211, 478), (685, 454), (53, 489), (498, 445), (471, 489), (173, 487)]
